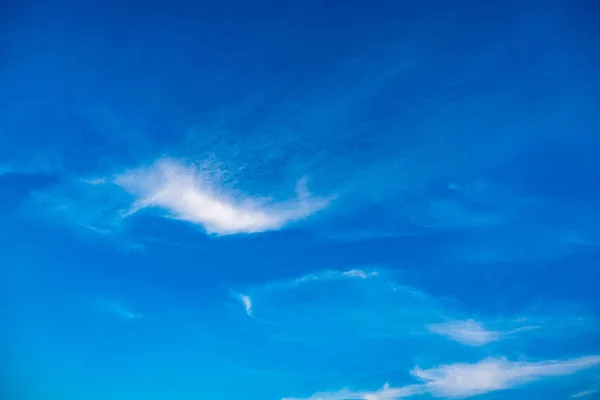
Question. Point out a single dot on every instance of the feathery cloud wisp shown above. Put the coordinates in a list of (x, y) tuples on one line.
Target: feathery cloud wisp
[(473, 333), (324, 276), (328, 275), (385, 393), (584, 393), (466, 380), (187, 193), (246, 302), (467, 332)]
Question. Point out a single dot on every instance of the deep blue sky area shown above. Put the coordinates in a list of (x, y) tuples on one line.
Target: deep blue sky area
[(303, 200)]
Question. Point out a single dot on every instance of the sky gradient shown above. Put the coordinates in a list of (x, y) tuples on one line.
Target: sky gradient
[(299, 200)]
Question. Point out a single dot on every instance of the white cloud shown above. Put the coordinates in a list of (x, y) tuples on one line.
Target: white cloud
[(473, 333), (584, 393), (385, 393), (191, 194), (466, 380), (468, 332), (317, 277), (364, 303), (343, 394), (246, 302), (95, 181), (327, 275), (595, 388), (359, 273)]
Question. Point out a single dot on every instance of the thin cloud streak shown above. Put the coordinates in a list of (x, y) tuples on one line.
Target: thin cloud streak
[(323, 276), (584, 393), (469, 332), (331, 275), (467, 380), (473, 333), (117, 309)]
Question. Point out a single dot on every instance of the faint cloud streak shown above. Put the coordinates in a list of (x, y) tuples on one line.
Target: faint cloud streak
[(116, 308)]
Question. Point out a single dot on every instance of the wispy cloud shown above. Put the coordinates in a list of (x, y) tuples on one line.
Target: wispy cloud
[(95, 181), (385, 393), (189, 193), (359, 273), (328, 275), (594, 389), (468, 332), (87, 206), (584, 393), (371, 302), (314, 309), (246, 302), (116, 308), (466, 380), (284, 285), (475, 333)]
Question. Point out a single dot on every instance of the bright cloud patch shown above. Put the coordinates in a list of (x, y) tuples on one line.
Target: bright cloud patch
[(463, 380), (364, 318), (246, 302), (466, 380), (474, 333), (468, 332), (189, 193)]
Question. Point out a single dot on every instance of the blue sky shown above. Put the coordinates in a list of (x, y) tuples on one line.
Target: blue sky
[(299, 200)]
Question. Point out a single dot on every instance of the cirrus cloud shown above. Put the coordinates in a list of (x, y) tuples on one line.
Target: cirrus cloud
[(462, 380), (467, 332), (188, 193)]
